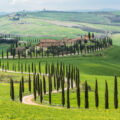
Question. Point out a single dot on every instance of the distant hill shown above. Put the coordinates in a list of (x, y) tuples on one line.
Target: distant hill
[(98, 17)]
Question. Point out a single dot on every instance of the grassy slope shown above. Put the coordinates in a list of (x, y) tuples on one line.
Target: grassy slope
[(16, 111), (73, 16), (97, 65), (116, 39), (91, 68), (103, 68), (38, 27)]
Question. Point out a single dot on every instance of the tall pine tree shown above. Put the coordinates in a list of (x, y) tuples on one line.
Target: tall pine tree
[(115, 93), (106, 96), (86, 95), (96, 95)]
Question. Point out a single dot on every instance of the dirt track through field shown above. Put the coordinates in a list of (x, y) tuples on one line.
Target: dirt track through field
[(29, 99)]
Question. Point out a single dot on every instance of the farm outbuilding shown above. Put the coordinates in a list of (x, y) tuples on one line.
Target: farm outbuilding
[(20, 49)]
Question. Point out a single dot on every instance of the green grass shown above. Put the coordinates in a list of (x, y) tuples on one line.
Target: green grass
[(107, 64), (91, 67), (38, 28), (116, 39), (95, 17), (56, 98), (14, 110)]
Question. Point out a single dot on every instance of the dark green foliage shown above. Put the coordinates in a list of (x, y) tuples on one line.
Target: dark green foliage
[(7, 54), (34, 86), (78, 89), (96, 95), (12, 89), (89, 35), (68, 96), (29, 82), (20, 92), (44, 84), (38, 84), (32, 67), (86, 95), (72, 78), (115, 93), (41, 96), (22, 84), (106, 96), (21, 68), (39, 68), (46, 71), (50, 82), (63, 92)]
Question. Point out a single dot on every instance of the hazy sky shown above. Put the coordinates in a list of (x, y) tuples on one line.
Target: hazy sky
[(16, 5)]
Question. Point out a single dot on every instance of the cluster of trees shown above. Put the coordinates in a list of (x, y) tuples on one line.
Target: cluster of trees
[(21, 67), (80, 47), (7, 38), (58, 76)]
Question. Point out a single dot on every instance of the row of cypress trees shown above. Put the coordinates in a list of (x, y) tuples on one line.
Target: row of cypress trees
[(58, 75), (21, 67), (80, 46)]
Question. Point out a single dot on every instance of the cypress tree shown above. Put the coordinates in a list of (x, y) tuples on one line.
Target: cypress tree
[(29, 68), (20, 92), (96, 95), (44, 84), (7, 65), (39, 68), (21, 68), (72, 78), (78, 90), (35, 69), (58, 83), (54, 82), (29, 83), (12, 89), (89, 35), (41, 96), (18, 55), (106, 96), (34, 87), (7, 54), (22, 84), (115, 93), (38, 84), (68, 97), (49, 89), (32, 67), (46, 68), (63, 92), (86, 95)]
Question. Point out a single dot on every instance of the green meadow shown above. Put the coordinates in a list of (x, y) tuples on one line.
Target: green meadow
[(91, 66)]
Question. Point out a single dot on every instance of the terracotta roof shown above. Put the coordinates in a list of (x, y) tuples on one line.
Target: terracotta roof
[(49, 40)]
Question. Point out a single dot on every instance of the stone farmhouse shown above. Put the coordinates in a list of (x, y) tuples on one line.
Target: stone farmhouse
[(49, 42)]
